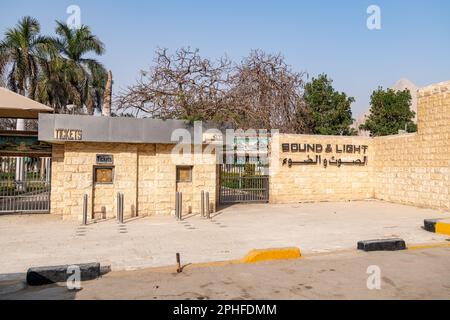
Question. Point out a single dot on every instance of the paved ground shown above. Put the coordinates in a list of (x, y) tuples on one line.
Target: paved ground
[(45, 240), (419, 274)]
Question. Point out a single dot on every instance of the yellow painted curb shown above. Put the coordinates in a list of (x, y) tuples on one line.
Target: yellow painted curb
[(255, 256), (443, 228), (430, 246)]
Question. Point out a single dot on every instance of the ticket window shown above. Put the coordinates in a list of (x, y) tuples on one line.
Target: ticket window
[(184, 174), (104, 175)]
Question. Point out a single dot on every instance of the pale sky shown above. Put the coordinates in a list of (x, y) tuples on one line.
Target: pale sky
[(314, 36)]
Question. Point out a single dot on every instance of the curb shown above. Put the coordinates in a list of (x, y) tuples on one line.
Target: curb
[(55, 274), (429, 246), (262, 255), (437, 226), (382, 245)]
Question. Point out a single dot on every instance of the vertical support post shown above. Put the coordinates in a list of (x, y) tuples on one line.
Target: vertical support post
[(121, 208), (176, 205), (208, 211), (20, 163), (48, 166), (179, 269), (118, 207), (180, 203), (85, 209), (203, 204)]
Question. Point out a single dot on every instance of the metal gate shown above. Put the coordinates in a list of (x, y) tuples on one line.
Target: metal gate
[(243, 183), (25, 184)]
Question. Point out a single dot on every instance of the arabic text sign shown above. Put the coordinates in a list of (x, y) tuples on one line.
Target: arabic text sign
[(319, 149)]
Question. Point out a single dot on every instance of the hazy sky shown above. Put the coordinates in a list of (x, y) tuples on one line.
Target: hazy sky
[(314, 36)]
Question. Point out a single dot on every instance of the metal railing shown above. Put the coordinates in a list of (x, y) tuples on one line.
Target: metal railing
[(24, 185), (243, 183)]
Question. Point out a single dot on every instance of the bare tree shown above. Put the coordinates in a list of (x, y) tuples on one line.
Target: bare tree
[(261, 92), (268, 92), (182, 85)]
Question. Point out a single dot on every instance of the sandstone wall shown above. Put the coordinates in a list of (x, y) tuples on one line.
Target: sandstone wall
[(57, 196), (415, 169), (409, 169), (145, 174), (304, 183)]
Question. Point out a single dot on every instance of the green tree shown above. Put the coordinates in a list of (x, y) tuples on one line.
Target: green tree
[(56, 86), (88, 75), (55, 71), (329, 110), (20, 50), (390, 112)]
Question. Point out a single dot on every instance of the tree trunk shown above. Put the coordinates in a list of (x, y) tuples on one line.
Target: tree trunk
[(90, 107), (106, 111)]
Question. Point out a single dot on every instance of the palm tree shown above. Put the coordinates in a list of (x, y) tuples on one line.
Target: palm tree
[(56, 86), (19, 55), (97, 87), (19, 58), (75, 45), (57, 72)]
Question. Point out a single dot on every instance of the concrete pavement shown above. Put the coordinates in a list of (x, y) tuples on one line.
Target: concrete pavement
[(151, 242), (412, 274)]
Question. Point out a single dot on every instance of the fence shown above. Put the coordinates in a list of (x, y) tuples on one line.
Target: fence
[(24, 185), (243, 183)]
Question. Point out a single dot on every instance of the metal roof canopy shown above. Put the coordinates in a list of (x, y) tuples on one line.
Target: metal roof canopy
[(111, 129), (13, 105)]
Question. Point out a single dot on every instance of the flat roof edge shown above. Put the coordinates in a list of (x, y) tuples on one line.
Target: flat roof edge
[(57, 128)]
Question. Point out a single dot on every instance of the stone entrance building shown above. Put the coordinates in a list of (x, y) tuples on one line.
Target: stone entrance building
[(102, 156)]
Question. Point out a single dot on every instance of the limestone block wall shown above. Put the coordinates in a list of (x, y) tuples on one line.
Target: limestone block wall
[(304, 183), (415, 169), (144, 173), (57, 196), (157, 180), (410, 169), (79, 162)]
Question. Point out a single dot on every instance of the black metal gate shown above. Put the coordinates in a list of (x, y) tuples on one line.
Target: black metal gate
[(25, 184), (243, 183)]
